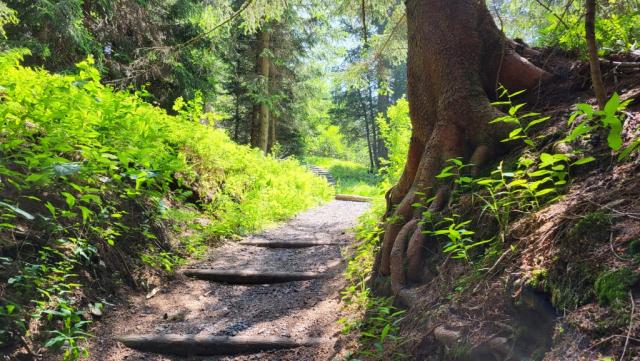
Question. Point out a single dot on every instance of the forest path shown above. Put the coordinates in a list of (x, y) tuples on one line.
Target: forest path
[(294, 311)]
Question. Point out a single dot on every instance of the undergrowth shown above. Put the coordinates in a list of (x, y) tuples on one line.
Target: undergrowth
[(539, 176), (373, 319), (94, 182), (351, 178)]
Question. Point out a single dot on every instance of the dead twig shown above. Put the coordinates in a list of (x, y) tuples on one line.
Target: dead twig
[(627, 214), (626, 341), (614, 251)]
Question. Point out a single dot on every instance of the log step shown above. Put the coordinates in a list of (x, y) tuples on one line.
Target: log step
[(288, 244), (190, 345), (250, 277), (352, 198)]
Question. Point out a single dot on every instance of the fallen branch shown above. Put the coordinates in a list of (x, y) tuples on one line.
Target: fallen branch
[(620, 64)]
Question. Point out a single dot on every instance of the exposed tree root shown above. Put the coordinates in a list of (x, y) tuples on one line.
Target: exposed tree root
[(453, 70)]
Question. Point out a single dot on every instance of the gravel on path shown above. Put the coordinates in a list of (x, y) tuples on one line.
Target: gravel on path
[(296, 310)]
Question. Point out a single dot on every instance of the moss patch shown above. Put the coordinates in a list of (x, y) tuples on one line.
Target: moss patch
[(613, 285), (594, 226)]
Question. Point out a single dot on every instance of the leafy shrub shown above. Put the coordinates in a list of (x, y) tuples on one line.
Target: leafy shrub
[(396, 132), (85, 169), (351, 177)]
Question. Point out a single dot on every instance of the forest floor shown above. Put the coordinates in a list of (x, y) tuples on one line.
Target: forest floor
[(295, 310)]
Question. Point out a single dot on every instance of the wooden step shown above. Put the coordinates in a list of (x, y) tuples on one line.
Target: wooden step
[(288, 244), (250, 276), (190, 345), (352, 198)]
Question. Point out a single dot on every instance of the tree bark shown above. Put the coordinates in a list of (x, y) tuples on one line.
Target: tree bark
[(260, 126), (382, 74), (456, 56), (236, 130), (367, 132), (594, 61), (265, 65)]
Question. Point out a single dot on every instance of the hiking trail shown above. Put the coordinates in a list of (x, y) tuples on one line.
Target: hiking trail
[(273, 296)]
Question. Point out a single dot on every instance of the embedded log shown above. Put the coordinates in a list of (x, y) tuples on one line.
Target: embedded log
[(352, 198), (288, 244), (190, 345), (250, 276)]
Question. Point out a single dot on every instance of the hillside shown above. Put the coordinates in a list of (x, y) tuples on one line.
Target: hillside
[(102, 191), (537, 257)]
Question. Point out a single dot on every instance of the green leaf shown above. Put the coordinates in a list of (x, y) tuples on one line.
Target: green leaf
[(51, 209), (614, 139), (611, 107), (515, 132), (517, 93), (584, 160), (537, 121), (544, 192), (15, 209), (586, 109), (69, 198), (628, 150), (385, 332), (67, 168), (86, 213)]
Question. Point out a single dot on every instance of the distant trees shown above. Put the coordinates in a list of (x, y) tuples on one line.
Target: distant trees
[(246, 57)]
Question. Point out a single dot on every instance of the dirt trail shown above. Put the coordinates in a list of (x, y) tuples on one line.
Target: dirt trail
[(295, 310)]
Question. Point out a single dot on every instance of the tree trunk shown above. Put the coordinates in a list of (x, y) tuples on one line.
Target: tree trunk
[(594, 61), (367, 132), (260, 126), (236, 130), (272, 133), (382, 74), (255, 126), (456, 56), (265, 64), (375, 132)]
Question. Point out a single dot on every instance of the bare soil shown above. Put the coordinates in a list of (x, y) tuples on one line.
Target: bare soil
[(296, 310)]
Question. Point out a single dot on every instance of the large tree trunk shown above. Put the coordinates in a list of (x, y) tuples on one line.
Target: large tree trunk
[(456, 57)]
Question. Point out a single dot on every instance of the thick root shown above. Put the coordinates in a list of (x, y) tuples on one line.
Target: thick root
[(518, 73), (415, 256), (397, 258), (400, 217)]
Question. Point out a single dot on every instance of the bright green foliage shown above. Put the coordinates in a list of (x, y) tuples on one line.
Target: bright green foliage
[(329, 142), (373, 317), (459, 238), (522, 124), (85, 169), (7, 16), (587, 119), (562, 24), (613, 286), (396, 132), (351, 178)]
